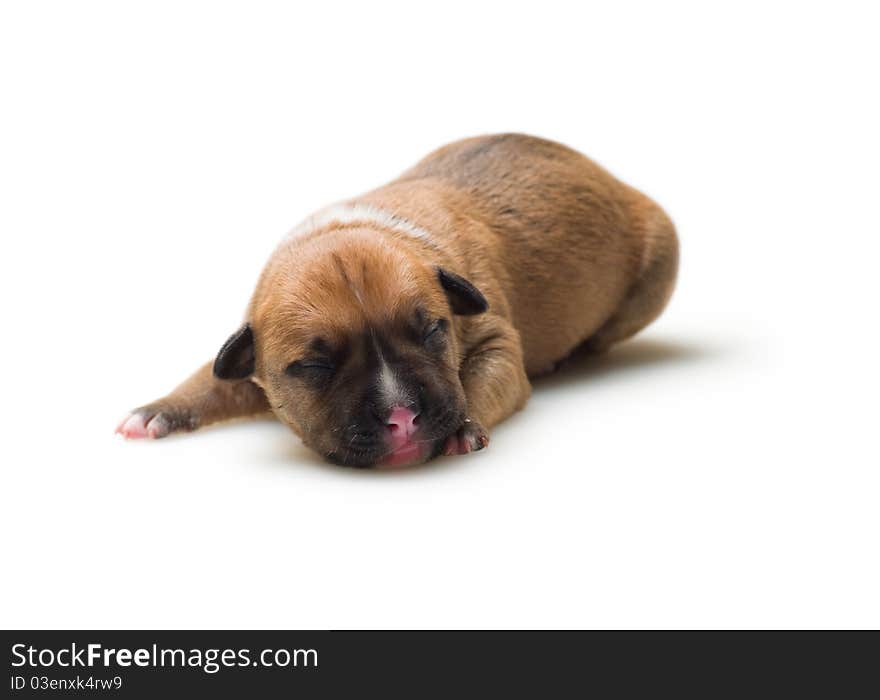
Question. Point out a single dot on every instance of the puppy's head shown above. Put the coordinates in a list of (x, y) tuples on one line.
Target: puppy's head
[(350, 336)]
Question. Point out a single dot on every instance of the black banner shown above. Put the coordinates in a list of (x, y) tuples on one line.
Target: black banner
[(411, 664)]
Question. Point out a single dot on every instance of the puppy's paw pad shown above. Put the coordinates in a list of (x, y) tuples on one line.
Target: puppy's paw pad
[(470, 437), (144, 425)]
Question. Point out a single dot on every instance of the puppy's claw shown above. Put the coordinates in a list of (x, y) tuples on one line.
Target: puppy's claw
[(470, 437)]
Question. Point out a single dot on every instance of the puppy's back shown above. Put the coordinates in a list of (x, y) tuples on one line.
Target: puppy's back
[(574, 240)]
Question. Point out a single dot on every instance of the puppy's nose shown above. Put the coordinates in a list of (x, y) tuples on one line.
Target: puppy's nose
[(402, 422)]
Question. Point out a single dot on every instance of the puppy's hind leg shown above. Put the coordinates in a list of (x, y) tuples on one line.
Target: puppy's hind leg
[(650, 292), (200, 400)]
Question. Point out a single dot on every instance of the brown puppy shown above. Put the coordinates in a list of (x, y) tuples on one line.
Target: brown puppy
[(404, 323)]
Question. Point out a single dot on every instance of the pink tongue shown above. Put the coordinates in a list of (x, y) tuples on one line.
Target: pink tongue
[(398, 441), (407, 454)]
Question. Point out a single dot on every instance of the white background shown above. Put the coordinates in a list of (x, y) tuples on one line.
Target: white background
[(721, 470)]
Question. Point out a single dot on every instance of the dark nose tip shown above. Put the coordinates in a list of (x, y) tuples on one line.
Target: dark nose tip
[(402, 421)]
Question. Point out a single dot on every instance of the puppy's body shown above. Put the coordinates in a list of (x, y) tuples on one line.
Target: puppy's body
[(563, 252), (558, 245)]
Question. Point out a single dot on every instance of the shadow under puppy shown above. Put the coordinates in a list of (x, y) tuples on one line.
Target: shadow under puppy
[(404, 323)]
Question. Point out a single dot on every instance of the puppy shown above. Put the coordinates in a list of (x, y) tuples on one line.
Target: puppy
[(404, 323)]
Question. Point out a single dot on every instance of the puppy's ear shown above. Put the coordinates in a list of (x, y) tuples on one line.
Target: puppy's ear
[(464, 298), (236, 358)]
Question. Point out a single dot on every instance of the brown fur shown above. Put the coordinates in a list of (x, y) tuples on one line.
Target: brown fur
[(565, 254)]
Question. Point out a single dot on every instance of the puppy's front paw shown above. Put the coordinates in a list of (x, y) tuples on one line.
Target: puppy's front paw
[(470, 437), (156, 420)]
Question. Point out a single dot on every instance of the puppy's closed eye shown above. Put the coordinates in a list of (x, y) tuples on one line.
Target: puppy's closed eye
[(435, 331), (313, 366)]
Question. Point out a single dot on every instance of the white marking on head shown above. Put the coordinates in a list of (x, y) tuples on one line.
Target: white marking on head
[(388, 384), (390, 387), (352, 213)]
